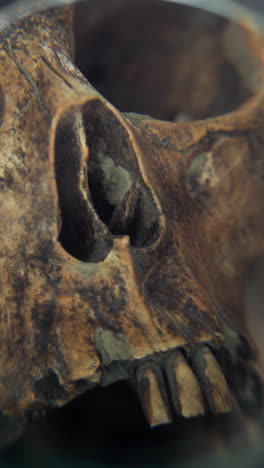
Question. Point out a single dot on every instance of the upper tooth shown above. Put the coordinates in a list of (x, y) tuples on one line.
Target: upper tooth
[(185, 389), (153, 394), (213, 382)]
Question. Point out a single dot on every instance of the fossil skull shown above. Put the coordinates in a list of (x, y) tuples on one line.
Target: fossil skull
[(124, 238)]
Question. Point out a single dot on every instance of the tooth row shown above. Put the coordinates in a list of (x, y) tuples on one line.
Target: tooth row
[(183, 388)]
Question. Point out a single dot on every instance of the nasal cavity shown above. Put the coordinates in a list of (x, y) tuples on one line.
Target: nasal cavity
[(81, 233), (120, 197)]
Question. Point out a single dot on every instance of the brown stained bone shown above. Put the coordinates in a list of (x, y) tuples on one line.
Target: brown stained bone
[(123, 237)]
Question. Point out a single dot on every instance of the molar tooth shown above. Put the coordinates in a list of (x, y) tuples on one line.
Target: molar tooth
[(213, 382), (153, 394), (185, 389)]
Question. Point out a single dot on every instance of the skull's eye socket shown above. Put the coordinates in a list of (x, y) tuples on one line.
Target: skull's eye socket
[(170, 61)]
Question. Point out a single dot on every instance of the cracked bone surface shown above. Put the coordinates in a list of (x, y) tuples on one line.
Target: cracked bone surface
[(124, 237)]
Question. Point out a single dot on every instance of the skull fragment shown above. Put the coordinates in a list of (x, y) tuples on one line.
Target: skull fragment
[(124, 237)]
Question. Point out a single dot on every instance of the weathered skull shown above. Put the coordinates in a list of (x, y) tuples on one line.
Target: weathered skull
[(124, 239)]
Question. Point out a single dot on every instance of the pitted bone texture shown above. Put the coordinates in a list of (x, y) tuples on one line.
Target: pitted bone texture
[(124, 240)]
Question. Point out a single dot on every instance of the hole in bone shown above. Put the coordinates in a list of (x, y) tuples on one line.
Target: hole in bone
[(119, 195), (81, 232), (169, 61), (106, 198)]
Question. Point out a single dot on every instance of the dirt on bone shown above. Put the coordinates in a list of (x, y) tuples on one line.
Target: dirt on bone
[(125, 239)]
